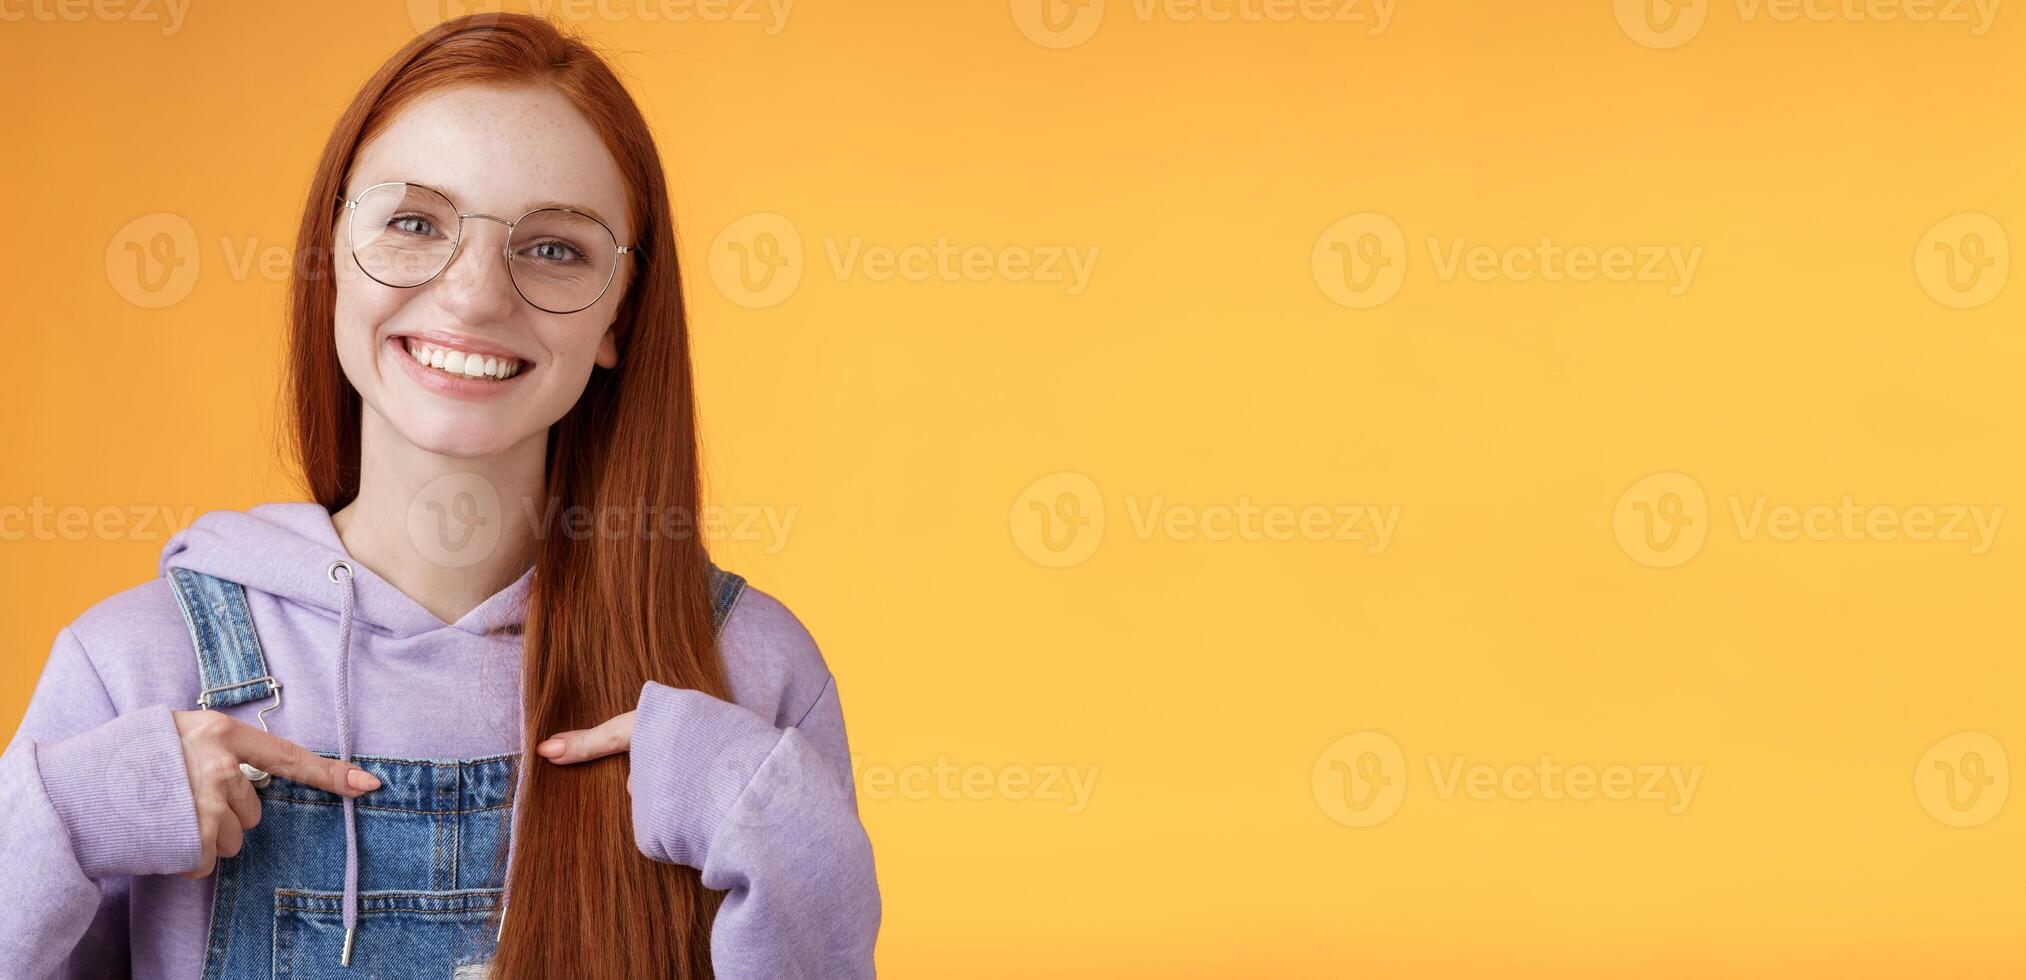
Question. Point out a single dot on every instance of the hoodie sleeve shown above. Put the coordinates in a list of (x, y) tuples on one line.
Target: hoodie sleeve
[(87, 795), (769, 815)]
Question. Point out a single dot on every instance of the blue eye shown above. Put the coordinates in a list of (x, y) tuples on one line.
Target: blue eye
[(554, 250), (412, 224)]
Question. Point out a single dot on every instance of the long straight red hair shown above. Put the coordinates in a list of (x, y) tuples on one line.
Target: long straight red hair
[(606, 614)]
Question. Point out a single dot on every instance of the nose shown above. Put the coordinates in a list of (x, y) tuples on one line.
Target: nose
[(477, 288)]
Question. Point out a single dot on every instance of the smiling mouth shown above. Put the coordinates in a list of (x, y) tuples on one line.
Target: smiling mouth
[(461, 364)]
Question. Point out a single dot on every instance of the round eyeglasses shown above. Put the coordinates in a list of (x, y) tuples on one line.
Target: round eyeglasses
[(560, 260)]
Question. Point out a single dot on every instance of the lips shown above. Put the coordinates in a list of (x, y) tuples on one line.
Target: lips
[(461, 368)]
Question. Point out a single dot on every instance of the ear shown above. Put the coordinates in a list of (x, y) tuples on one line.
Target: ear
[(608, 351)]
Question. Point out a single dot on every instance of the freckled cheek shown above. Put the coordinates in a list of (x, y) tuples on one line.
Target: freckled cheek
[(360, 310)]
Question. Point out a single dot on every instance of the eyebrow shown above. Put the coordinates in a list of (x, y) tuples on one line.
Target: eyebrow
[(539, 205)]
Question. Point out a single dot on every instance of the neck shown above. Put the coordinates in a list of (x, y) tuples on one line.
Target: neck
[(448, 532)]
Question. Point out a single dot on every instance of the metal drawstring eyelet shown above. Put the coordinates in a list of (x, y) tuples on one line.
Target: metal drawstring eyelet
[(332, 572)]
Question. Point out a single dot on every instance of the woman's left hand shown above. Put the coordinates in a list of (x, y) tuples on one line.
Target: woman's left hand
[(585, 744)]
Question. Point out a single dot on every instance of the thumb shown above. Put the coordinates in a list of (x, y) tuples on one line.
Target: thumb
[(585, 744)]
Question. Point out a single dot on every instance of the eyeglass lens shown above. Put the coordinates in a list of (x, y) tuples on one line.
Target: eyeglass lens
[(405, 234)]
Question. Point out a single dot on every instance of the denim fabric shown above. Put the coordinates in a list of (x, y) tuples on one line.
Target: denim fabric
[(430, 874), (228, 651), (725, 588), (430, 839)]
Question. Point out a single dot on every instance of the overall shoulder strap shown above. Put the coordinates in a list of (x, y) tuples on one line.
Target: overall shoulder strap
[(230, 666), (725, 591)]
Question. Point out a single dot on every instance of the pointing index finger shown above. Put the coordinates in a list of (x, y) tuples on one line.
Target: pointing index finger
[(282, 757)]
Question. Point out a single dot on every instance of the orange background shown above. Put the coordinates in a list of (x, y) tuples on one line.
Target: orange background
[(1212, 685)]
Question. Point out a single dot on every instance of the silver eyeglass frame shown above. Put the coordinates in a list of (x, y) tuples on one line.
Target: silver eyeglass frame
[(506, 251)]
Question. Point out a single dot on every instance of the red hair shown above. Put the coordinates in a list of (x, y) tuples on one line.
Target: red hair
[(605, 615)]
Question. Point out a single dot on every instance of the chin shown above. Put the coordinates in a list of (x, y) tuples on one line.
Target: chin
[(458, 438)]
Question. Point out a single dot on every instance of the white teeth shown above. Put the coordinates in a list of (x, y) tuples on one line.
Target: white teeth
[(461, 363)]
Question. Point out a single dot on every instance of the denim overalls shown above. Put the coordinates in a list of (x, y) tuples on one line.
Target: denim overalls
[(426, 842)]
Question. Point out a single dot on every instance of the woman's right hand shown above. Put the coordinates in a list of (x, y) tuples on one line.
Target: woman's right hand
[(214, 744)]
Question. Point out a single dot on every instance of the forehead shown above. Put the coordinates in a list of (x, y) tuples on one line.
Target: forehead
[(498, 150)]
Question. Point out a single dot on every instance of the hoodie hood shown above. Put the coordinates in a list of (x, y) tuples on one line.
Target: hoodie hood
[(286, 550), (291, 551)]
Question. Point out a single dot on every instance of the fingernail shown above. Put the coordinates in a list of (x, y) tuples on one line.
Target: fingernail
[(361, 780), (553, 746)]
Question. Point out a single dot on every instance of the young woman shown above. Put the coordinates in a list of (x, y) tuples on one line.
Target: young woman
[(299, 752)]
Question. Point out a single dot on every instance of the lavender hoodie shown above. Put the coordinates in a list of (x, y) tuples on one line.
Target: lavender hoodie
[(96, 815)]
